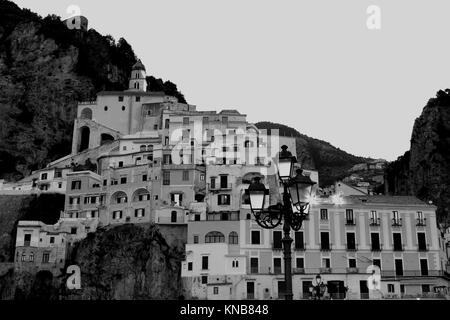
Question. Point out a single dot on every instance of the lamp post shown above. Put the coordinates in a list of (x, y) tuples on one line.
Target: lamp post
[(291, 212), (319, 287)]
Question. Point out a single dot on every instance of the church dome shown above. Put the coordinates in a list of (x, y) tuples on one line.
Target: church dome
[(139, 66)]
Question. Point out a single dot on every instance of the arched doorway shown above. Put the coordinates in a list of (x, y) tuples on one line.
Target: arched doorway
[(84, 141)]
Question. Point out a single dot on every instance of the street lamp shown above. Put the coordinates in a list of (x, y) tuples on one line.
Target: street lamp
[(319, 287), (294, 209)]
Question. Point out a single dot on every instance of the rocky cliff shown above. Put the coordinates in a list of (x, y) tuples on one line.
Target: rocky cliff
[(128, 262), (424, 170), (45, 68)]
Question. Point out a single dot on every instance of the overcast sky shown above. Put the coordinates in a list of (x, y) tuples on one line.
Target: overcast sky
[(313, 65)]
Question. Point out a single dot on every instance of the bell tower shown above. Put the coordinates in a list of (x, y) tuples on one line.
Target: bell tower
[(137, 80)]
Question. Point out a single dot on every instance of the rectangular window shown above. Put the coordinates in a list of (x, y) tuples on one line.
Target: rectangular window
[(138, 99), (45, 257), (422, 241), (374, 218), (167, 158), (58, 174), (52, 239), (120, 98), (185, 175), (44, 176), (254, 265), (216, 290), (391, 288), (166, 178), (195, 238), (349, 217), (277, 235), (299, 241), (204, 279), (76, 185), (223, 199), (224, 181), (185, 120), (375, 240), (352, 263), (323, 214), (300, 263), (139, 213), (424, 267), (398, 242), (189, 266), (425, 288), (277, 265), (120, 164), (398, 267), (396, 220), (73, 230), (225, 120), (105, 182), (326, 263), (27, 240), (351, 242), (117, 215), (144, 177), (325, 240), (213, 183), (256, 237), (166, 141), (205, 263)]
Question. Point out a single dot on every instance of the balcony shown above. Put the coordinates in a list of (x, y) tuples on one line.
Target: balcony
[(400, 247), (220, 187), (325, 247), (412, 273), (421, 222), (325, 270), (377, 247), (374, 222), (254, 270), (300, 247), (277, 246), (351, 247), (350, 222), (396, 222), (423, 248), (352, 270), (298, 270)]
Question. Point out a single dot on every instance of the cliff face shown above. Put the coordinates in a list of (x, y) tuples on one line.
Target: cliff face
[(424, 171), (331, 162), (45, 69), (45, 208), (126, 262)]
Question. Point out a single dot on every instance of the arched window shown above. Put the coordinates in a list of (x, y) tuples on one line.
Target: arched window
[(173, 216), (143, 148), (86, 113), (150, 147), (214, 237), (119, 197), (233, 238)]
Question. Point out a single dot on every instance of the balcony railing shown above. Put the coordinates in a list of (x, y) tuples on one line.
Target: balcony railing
[(421, 222), (423, 248), (352, 270), (277, 246), (220, 187), (325, 270), (325, 247), (396, 222), (377, 248), (374, 221), (399, 247), (254, 270), (298, 270), (300, 247), (413, 273), (351, 247), (350, 222)]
